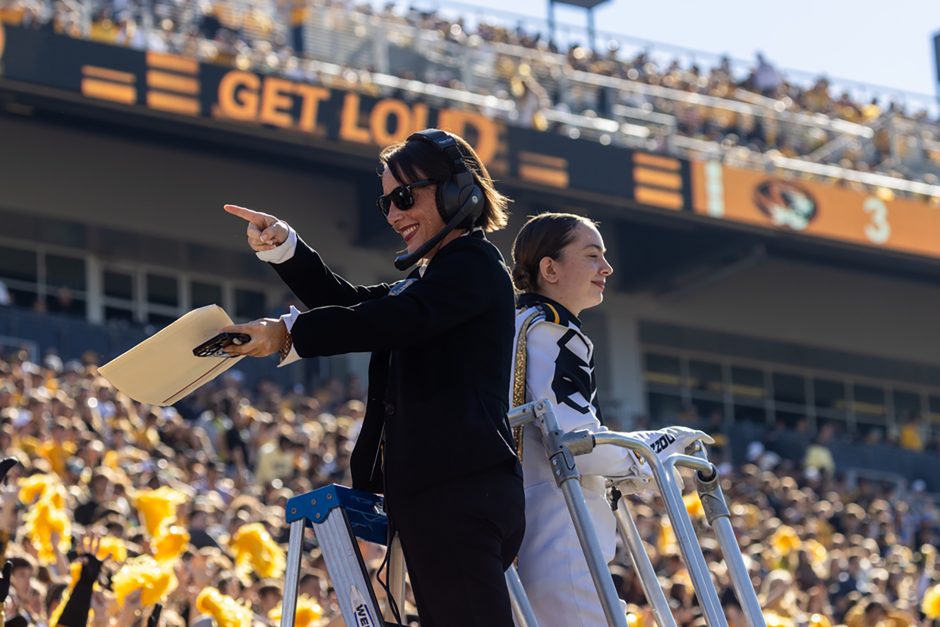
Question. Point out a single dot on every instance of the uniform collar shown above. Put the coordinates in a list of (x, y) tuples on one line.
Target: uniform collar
[(476, 233), (555, 311)]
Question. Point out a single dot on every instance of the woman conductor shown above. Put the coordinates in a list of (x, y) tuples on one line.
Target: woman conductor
[(435, 439)]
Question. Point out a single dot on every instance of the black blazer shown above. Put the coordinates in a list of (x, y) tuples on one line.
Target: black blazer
[(441, 348)]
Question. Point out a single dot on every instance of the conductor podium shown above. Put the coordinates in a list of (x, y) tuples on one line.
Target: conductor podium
[(340, 515)]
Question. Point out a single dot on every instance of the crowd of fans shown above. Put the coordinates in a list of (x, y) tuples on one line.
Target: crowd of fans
[(746, 114), (185, 506), (760, 128), (199, 488)]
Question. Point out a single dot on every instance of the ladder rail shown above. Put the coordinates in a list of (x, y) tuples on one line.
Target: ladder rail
[(561, 448), (292, 574), (521, 608), (641, 561)]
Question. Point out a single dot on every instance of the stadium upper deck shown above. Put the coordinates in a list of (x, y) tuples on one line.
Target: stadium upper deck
[(757, 118)]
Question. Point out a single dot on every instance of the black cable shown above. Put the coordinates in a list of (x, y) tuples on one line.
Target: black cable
[(392, 604)]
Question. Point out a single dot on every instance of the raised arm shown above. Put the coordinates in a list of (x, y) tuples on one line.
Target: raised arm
[(298, 265), (457, 286)]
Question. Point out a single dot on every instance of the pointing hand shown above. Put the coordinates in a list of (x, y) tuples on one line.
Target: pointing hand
[(264, 230)]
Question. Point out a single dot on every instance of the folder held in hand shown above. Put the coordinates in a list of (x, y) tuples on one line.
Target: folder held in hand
[(162, 369)]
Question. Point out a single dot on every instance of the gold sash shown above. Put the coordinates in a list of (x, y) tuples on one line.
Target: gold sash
[(518, 380)]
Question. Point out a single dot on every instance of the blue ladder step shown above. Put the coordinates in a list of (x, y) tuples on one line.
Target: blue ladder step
[(364, 510)]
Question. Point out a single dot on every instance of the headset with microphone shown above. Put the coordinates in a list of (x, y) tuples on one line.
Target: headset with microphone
[(460, 201)]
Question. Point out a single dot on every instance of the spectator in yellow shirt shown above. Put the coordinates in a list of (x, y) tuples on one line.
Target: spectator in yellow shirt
[(275, 460), (57, 450), (911, 437), (818, 455)]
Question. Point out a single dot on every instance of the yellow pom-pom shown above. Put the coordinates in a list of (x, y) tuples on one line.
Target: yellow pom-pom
[(256, 552), (785, 540), (666, 543), (693, 505), (308, 612), (931, 603), (818, 620), (773, 619), (113, 548), (33, 487), (143, 573), (226, 611), (157, 506), (44, 521), (111, 459), (170, 543), (816, 550)]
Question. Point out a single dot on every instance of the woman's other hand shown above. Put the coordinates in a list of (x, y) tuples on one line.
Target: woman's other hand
[(268, 336), (265, 231)]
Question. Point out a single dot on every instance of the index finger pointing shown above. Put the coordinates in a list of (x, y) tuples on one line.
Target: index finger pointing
[(255, 217)]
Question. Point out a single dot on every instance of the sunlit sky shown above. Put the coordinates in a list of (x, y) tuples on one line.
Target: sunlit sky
[(869, 41)]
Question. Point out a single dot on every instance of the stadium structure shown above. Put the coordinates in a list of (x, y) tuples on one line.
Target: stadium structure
[(769, 288)]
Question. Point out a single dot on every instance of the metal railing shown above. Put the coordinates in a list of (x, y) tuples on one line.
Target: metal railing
[(388, 52)]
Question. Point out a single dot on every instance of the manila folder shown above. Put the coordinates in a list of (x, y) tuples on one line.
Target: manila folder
[(162, 369)]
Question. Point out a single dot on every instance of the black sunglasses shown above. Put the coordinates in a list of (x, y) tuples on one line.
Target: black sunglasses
[(402, 196)]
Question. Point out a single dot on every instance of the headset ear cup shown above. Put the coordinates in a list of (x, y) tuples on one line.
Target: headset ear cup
[(476, 209), (453, 194), (447, 200)]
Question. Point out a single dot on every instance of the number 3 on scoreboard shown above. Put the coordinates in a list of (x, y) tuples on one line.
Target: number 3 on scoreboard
[(878, 230)]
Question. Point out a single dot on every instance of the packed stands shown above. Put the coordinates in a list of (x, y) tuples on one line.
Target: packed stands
[(628, 92), (206, 484), (825, 545)]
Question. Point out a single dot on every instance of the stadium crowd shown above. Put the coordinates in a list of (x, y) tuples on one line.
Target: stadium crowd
[(742, 115), (186, 505)]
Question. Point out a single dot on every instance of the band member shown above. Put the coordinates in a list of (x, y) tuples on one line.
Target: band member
[(435, 439), (560, 269)]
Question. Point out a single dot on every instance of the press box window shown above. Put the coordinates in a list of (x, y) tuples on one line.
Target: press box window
[(19, 272), (869, 404), (202, 294), (906, 404), (789, 388), (706, 380), (18, 264), (162, 290), (749, 391), (118, 296), (65, 284), (933, 411), (662, 371), (830, 397), (118, 285), (747, 384)]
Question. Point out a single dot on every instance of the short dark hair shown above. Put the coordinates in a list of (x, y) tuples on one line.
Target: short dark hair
[(17, 562), (544, 235), (269, 587), (413, 160)]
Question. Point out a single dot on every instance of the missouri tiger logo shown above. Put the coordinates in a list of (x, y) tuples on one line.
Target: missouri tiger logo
[(786, 203)]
